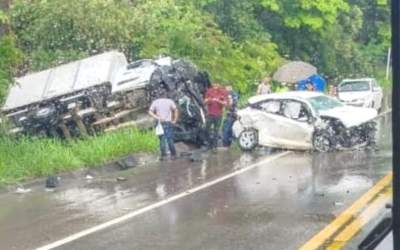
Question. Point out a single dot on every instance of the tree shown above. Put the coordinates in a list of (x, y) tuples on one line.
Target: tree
[(334, 35), (58, 31), (310, 14), (185, 31), (236, 18), (10, 57)]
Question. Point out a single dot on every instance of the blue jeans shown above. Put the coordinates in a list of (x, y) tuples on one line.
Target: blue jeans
[(227, 132), (167, 139)]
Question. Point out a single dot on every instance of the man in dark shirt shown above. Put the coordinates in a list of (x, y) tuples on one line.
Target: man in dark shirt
[(216, 99)]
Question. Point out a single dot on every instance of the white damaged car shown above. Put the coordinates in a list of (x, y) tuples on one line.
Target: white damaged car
[(304, 120)]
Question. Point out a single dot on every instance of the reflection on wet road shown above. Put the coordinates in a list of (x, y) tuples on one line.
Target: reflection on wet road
[(279, 204)]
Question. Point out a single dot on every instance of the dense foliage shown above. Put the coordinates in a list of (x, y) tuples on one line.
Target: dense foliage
[(237, 41), (342, 38), (10, 56), (51, 32)]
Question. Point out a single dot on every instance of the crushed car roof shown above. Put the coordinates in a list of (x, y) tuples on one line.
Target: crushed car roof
[(64, 79), (290, 94)]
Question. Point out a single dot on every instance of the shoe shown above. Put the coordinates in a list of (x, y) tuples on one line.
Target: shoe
[(163, 158), (174, 157)]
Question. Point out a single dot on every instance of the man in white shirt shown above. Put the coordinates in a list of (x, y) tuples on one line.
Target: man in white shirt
[(164, 110)]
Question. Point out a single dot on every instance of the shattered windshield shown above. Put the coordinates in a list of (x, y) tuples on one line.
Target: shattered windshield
[(354, 86), (321, 103)]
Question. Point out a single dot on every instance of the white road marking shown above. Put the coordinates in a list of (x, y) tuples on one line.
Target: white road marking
[(133, 214)]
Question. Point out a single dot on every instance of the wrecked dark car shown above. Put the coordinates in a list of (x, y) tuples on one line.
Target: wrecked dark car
[(104, 93), (303, 120)]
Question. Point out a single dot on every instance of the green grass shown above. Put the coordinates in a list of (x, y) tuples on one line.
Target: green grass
[(25, 158)]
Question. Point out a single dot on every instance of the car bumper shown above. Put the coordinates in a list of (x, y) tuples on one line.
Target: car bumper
[(364, 104), (237, 129)]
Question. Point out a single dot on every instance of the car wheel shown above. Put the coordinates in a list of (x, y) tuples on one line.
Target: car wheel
[(322, 142), (248, 139)]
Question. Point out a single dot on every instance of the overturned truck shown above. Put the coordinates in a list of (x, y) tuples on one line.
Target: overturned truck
[(104, 93)]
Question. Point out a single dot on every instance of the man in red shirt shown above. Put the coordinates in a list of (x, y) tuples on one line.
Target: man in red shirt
[(216, 99)]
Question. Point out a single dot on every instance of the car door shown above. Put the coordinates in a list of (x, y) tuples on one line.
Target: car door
[(277, 130), (296, 125), (267, 120)]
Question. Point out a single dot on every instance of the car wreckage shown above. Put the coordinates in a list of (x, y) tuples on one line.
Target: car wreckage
[(303, 120), (103, 93)]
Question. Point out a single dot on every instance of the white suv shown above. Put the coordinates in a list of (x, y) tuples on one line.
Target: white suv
[(363, 92)]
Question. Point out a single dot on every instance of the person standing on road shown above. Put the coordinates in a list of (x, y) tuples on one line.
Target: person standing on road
[(164, 110), (216, 99), (230, 118), (264, 87)]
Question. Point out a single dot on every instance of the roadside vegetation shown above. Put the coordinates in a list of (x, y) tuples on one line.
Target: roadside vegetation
[(237, 42), (33, 157)]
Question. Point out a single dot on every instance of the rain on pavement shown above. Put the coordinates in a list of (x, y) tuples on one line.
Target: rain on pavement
[(278, 205)]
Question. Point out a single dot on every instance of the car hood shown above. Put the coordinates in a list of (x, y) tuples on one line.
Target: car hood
[(350, 96), (351, 116)]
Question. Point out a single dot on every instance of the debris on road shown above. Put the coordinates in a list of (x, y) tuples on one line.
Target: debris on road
[(127, 162), (89, 177), (53, 181), (338, 204), (21, 190), (121, 178)]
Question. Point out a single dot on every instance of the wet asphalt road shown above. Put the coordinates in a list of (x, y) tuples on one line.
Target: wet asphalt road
[(278, 205)]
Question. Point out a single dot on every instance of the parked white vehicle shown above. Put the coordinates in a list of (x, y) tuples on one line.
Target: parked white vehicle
[(361, 93), (303, 120)]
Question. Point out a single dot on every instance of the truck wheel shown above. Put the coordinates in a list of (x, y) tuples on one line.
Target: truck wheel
[(248, 139), (322, 142)]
